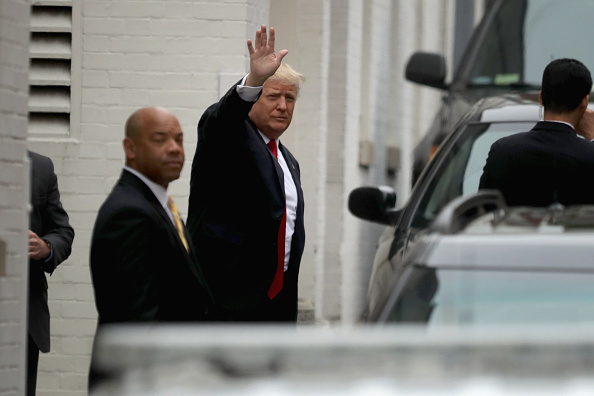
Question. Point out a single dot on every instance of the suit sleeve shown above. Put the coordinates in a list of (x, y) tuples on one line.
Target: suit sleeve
[(223, 118), (56, 226)]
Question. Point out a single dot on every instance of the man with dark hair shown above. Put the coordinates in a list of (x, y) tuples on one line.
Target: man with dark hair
[(565, 83), (551, 163)]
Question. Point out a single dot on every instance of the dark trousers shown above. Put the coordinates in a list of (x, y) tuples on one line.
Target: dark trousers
[(32, 362)]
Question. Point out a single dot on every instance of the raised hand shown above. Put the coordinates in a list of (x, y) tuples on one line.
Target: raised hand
[(263, 60)]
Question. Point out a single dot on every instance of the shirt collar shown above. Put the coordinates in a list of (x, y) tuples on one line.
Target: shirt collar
[(561, 122), (267, 139), (157, 189)]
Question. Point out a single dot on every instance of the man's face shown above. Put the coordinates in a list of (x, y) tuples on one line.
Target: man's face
[(273, 111), (157, 151)]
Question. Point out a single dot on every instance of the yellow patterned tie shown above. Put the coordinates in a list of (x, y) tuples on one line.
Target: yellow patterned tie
[(178, 223)]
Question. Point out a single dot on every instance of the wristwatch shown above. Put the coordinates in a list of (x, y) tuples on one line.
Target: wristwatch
[(46, 263), (49, 245)]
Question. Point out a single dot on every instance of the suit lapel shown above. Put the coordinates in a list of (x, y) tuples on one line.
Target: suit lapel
[(188, 255), (129, 178), (150, 197), (271, 170), (293, 169)]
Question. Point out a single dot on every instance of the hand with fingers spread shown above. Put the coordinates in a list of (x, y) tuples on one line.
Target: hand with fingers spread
[(263, 59)]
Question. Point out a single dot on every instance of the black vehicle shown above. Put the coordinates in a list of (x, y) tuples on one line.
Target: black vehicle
[(454, 171), (507, 52)]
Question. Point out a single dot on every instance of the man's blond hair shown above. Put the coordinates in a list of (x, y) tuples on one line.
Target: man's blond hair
[(286, 75)]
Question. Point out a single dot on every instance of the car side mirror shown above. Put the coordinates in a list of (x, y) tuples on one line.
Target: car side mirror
[(374, 204), (427, 69)]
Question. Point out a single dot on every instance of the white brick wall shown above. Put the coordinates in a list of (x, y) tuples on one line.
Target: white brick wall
[(14, 194), (368, 112), (362, 96), (182, 55), (132, 54), (299, 25)]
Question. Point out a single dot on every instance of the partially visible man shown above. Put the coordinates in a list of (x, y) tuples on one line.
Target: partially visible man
[(550, 163), (143, 267), (50, 243), (246, 203)]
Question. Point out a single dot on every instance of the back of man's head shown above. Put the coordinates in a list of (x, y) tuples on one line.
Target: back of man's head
[(565, 83)]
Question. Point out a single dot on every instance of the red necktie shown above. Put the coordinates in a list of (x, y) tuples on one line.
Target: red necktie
[(277, 282)]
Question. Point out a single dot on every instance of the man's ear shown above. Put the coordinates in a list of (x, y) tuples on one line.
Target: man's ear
[(129, 148), (540, 98), (585, 102)]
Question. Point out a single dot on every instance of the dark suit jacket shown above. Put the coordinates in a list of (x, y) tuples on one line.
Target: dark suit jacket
[(235, 209), (49, 221), (140, 268), (546, 165)]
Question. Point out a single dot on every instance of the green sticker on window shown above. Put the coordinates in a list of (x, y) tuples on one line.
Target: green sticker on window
[(507, 79)]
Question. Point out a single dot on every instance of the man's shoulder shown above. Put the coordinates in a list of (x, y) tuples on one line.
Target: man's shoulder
[(229, 98), (229, 104), (125, 212), (40, 161), (513, 141), (36, 156), (126, 195)]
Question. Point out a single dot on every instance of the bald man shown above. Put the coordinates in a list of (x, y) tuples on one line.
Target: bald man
[(142, 262)]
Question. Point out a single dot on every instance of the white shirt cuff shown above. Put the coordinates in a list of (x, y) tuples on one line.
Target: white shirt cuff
[(249, 94)]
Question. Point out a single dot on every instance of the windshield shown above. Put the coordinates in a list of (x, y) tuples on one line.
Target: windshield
[(525, 35), (481, 297), (460, 172)]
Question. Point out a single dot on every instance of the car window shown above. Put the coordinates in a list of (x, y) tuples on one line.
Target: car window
[(460, 172), (486, 297), (527, 34), (479, 151)]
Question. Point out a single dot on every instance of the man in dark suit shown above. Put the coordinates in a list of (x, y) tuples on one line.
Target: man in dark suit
[(246, 203), (143, 267), (551, 163), (50, 243)]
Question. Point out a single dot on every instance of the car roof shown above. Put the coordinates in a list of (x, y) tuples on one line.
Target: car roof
[(511, 113), (509, 107), (536, 220), (528, 252), (522, 238)]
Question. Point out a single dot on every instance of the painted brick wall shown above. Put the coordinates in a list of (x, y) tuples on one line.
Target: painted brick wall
[(177, 54), (183, 55), (300, 29), (14, 193)]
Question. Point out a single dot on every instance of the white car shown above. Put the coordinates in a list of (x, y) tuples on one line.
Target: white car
[(482, 263)]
